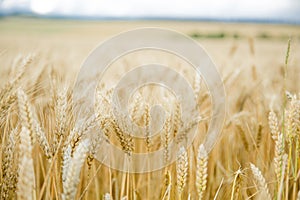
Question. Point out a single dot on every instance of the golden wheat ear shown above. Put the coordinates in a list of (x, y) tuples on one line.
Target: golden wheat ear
[(182, 170), (73, 169), (201, 173), (26, 184), (262, 184), (30, 121), (9, 170), (273, 124)]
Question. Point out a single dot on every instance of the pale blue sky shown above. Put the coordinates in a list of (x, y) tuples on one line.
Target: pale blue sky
[(286, 10)]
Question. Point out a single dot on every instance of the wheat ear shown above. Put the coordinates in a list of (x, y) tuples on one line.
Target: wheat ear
[(7, 94), (197, 85), (73, 170), (26, 183), (261, 181), (273, 124), (95, 143), (125, 139), (8, 173), (166, 139), (201, 173), (177, 123), (25, 114), (182, 170), (147, 126), (79, 131), (61, 113), (29, 120), (278, 159), (293, 116)]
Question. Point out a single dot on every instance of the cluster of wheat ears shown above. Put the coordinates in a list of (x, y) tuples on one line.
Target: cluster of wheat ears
[(47, 154)]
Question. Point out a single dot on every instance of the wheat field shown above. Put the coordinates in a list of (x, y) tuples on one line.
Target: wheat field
[(47, 154)]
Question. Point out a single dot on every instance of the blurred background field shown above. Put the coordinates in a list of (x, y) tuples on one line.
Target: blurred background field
[(233, 46), (229, 44)]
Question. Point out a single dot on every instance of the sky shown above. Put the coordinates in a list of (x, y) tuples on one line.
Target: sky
[(284, 10)]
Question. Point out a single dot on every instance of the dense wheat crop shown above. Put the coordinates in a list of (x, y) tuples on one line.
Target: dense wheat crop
[(47, 154)]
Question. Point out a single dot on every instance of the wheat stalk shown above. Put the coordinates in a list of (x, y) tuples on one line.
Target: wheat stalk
[(168, 185), (236, 185)]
